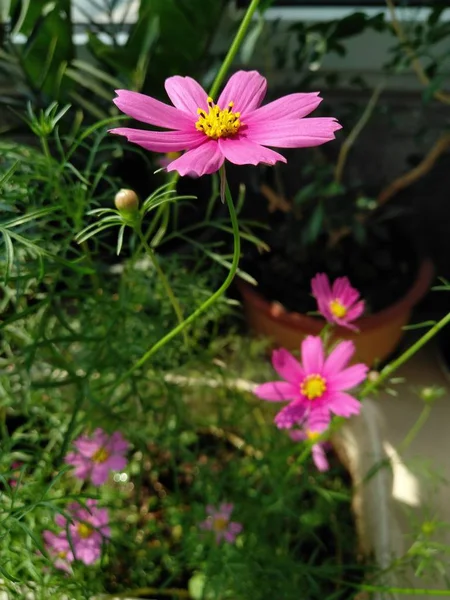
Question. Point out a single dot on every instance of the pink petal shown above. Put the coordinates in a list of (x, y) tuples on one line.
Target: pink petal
[(148, 110), (319, 458), (207, 524), (88, 554), (226, 508), (340, 286), (246, 89), (293, 106), (320, 287), (235, 528), (345, 323), (348, 378), (338, 358), (229, 537), (241, 151), (302, 133), (312, 355), (161, 141), (116, 462), (293, 414), (298, 435), (343, 404), (86, 446), (277, 391), (204, 160), (287, 366), (356, 311), (318, 418), (118, 444), (99, 474), (186, 94)]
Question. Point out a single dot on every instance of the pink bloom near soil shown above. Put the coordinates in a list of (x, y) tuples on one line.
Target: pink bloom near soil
[(218, 521), (236, 128), (317, 387), (87, 529), (96, 456), (339, 303)]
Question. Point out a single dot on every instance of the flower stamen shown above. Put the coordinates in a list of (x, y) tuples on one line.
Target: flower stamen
[(313, 386), (217, 123), (338, 309), (101, 455), (84, 531)]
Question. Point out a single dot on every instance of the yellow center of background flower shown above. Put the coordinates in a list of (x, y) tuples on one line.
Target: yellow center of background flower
[(337, 308), (62, 554), (84, 531), (217, 123), (220, 524), (313, 386), (100, 455), (312, 435)]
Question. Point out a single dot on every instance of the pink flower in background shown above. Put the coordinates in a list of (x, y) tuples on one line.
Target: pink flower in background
[(338, 303), (236, 128), (87, 530), (15, 466), (218, 521), (58, 547), (318, 449), (97, 455), (316, 387)]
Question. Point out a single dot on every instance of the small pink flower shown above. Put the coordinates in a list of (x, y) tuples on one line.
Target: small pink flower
[(59, 548), (317, 387), (237, 128), (15, 468), (318, 449), (218, 521), (87, 530), (338, 303), (95, 456)]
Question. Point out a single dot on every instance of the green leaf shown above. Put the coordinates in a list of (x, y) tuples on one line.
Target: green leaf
[(315, 224), (196, 586), (9, 250)]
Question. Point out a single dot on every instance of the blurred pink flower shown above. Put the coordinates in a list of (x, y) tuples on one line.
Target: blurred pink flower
[(58, 547), (87, 530), (338, 303), (237, 128), (15, 466), (318, 449), (95, 456), (315, 388), (218, 521)]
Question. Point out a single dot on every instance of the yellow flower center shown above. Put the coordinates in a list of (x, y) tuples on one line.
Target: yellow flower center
[(338, 309), (313, 386), (62, 554), (220, 524), (100, 455), (173, 155), (312, 435), (84, 531), (217, 123)]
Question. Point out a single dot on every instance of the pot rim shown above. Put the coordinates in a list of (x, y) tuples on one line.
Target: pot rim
[(276, 311)]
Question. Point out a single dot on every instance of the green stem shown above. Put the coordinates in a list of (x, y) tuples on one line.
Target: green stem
[(76, 409), (165, 282), (234, 48), (409, 437), (192, 317), (389, 369)]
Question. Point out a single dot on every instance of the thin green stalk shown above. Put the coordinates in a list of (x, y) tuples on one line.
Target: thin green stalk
[(239, 38), (76, 409), (165, 282), (192, 317), (389, 369), (412, 433)]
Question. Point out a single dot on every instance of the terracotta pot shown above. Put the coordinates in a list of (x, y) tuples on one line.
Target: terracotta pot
[(378, 334)]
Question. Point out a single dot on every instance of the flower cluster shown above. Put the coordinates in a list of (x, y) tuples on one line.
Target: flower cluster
[(317, 387), (81, 535)]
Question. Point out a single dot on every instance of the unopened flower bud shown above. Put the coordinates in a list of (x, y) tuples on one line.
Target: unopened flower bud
[(126, 201)]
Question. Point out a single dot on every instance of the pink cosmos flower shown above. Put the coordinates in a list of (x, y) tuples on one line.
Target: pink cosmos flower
[(338, 303), (218, 521), (58, 547), (318, 449), (237, 128), (87, 529), (317, 387), (95, 456)]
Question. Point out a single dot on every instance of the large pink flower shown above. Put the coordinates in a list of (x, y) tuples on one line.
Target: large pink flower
[(87, 529), (97, 455), (338, 303), (237, 128), (317, 387), (218, 521)]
